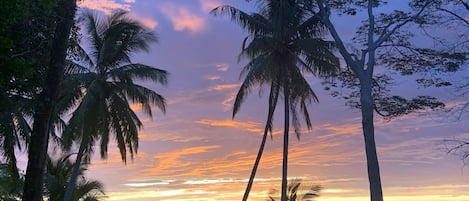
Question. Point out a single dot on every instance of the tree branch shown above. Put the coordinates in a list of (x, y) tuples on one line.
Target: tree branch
[(324, 13), (454, 15), (385, 35)]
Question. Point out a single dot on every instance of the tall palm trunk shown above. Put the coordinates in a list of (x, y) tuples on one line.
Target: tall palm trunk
[(37, 152), (76, 167), (256, 164), (268, 126), (285, 138)]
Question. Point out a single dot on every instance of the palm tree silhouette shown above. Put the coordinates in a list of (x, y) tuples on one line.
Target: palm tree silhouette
[(106, 78), (58, 173), (284, 44), (297, 191)]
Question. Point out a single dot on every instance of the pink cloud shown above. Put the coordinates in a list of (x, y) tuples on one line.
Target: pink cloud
[(146, 21), (213, 77), (106, 6), (222, 67), (182, 18)]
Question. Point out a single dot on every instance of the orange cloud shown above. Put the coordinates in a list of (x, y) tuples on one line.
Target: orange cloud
[(173, 137), (213, 77), (332, 130), (182, 18), (223, 87), (228, 101), (250, 126), (175, 162)]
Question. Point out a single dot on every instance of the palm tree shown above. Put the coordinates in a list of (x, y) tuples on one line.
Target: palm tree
[(106, 76), (58, 174), (297, 191), (14, 133), (283, 45)]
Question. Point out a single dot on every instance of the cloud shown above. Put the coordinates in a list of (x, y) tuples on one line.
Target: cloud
[(176, 162), (213, 77), (106, 6), (147, 184), (145, 21), (250, 126), (169, 137), (221, 87), (182, 18), (222, 67)]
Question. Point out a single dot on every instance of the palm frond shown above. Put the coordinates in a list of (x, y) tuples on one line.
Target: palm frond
[(140, 72), (254, 23), (258, 74), (94, 27)]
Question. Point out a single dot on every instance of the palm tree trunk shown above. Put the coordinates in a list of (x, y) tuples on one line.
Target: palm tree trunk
[(256, 164), (273, 97), (73, 177), (37, 151), (366, 101), (285, 139)]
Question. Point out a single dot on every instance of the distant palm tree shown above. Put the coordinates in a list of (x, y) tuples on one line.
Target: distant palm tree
[(58, 174), (106, 76), (14, 133), (283, 45), (297, 191)]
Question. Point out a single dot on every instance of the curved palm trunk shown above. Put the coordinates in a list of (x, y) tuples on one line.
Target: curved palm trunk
[(285, 139), (256, 164), (37, 151), (73, 177), (273, 97)]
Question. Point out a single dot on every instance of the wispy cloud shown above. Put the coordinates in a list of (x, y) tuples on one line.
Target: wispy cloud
[(222, 67), (169, 137), (175, 162), (213, 77), (249, 126), (221, 87)]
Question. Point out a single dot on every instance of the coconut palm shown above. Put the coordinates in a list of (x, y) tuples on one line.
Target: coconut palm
[(106, 75), (284, 44), (14, 135), (297, 191), (58, 174)]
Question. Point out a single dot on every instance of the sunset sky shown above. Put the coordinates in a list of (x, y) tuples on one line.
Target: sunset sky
[(197, 152)]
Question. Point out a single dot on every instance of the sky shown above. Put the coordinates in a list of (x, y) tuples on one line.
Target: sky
[(197, 152)]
